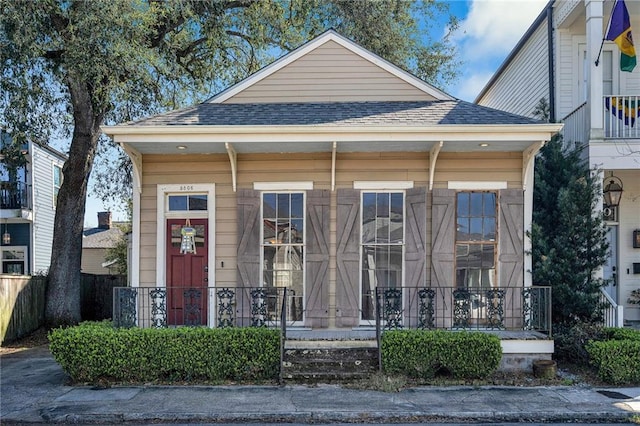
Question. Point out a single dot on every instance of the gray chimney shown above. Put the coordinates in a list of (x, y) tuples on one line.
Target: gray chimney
[(104, 220)]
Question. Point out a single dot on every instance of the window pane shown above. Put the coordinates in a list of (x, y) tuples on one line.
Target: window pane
[(382, 232), (269, 205), (197, 202), (463, 204), (488, 257), (382, 204), (462, 253), (489, 229), (476, 204), (475, 255), (475, 229), (297, 230), (297, 205), (368, 207), (396, 233), (177, 202), (269, 231), (283, 205), (462, 233), (489, 204)]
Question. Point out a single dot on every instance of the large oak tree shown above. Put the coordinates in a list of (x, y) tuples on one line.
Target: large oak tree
[(71, 65)]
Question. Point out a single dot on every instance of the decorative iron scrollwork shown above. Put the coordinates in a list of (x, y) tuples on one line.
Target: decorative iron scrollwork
[(461, 308), (158, 307), (258, 307), (426, 309), (530, 308), (495, 309), (126, 316), (392, 308), (192, 307), (226, 305)]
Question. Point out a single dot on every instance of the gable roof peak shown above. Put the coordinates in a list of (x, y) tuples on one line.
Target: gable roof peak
[(329, 35)]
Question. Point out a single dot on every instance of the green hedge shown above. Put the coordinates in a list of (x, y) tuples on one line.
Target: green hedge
[(617, 361), (422, 354), (96, 351), (622, 334)]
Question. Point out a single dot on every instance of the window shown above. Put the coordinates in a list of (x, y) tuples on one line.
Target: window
[(283, 234), (57, 183), (190, 202), (14, 260), (476, 242), (382, 245)]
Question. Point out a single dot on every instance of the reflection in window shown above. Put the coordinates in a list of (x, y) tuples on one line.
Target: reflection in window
[(283, 246), (476, 239), (13, 260), (191, 202), (382, 231)]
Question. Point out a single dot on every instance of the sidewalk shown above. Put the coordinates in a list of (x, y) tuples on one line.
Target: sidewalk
[(32, 390)]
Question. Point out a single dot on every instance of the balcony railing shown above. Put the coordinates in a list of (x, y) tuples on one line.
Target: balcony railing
[(162, 307), (575, 127), (621, 117), (15, 195), (506, 308)]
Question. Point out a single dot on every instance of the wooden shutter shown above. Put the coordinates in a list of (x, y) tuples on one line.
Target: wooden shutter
[(317, 258), (415, 234), (443, 219), (347, 257), (248, 238), (511, 238)]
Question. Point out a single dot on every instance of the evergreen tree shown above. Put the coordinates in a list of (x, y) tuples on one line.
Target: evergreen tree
[(568, 235)]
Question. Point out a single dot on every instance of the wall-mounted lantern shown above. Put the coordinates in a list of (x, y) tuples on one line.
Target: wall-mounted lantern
[(612, 192), (636, 238)]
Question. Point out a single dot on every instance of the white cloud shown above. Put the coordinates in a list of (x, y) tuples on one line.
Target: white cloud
[(493, 27), (486, 36)]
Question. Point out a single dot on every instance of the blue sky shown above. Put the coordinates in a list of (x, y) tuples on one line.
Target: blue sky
[(489, 29)]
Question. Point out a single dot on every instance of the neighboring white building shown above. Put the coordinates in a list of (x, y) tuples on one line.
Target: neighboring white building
[(598, 104), (27, 207)]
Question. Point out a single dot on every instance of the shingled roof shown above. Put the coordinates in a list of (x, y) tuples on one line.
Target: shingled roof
[(387, 113)]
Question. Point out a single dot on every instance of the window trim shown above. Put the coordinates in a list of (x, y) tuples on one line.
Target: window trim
[(361, 244), (303, 244), (25, 260), (495, 242), (54, 198)]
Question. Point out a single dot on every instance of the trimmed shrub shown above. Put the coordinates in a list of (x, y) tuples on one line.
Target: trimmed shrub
[(422, 354), (570, 342), (622, 334), (96, 351), (617, 361)]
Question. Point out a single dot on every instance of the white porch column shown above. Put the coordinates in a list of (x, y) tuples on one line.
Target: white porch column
[(594, 74)]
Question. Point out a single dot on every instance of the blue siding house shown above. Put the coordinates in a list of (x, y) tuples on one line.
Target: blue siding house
[(30, 177)]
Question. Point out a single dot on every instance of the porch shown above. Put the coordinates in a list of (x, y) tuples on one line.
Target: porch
[(506, 309)]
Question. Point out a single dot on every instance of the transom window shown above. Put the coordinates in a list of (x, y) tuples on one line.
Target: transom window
[(476, 242), (283, 239), (188, 202), (382, 245)]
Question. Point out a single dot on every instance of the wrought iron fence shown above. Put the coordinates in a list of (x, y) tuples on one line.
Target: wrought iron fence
[(495, 308), (209, 306)]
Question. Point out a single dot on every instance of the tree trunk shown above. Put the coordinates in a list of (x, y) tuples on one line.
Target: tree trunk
[(63, 291)]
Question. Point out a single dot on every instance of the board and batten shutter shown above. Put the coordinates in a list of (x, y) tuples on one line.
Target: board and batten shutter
[(511, 238), (415, 235), (443, 219), (248, 238), (347, 257), (317, 258)]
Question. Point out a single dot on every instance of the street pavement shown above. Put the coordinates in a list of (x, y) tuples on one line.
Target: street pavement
[(34, 389)]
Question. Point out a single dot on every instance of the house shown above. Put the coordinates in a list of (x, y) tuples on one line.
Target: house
[(556, 60), (31, 178), (95, 244), (327, 182)]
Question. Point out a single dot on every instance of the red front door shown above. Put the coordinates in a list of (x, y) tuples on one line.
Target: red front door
[(187, 275)]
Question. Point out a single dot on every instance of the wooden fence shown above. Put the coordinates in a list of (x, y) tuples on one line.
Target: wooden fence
[(22, 302)]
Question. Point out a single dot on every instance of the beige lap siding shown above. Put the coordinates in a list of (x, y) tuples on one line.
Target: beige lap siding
[(316, 167)]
